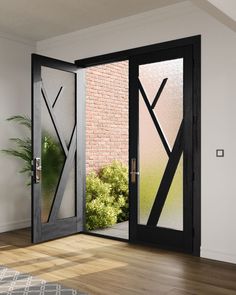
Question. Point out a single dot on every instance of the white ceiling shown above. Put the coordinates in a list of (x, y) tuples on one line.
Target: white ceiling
[(37, 20), (41, 19), (223, 10), (226, 6)]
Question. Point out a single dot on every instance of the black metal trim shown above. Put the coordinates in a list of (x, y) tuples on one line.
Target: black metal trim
[(163, 237), (188, 147), (133, 148), (130, 53), (58, 94), (196, 49), (159, 92), (54, 63), (155, 120)]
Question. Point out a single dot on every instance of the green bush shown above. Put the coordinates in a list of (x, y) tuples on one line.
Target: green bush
[(101, 208), (116, 175)]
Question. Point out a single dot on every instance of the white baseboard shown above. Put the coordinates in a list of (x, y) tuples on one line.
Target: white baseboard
[(218, 255), (14, 225)]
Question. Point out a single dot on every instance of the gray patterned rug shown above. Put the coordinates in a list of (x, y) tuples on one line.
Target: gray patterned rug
[(13, 282)]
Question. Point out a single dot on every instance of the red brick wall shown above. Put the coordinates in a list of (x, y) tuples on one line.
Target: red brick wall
[(106, 115)]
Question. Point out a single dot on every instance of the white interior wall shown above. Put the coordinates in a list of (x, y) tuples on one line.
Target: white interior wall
[(15, 89), (218, 101)]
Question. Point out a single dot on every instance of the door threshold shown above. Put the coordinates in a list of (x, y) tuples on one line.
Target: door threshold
[(105, 236)]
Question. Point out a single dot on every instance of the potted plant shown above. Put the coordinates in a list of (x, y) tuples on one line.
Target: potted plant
[(52, 159)]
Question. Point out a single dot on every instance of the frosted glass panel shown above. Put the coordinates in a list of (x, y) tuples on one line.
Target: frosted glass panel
[(153, 157), (53, 158), (60, 94), (172, 213), (64, 108), (67, 208), (152, 163)]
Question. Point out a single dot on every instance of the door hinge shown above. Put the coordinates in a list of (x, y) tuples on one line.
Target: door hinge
[(193, 177)]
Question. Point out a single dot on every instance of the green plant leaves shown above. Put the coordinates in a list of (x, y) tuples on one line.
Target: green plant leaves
[(52, 154), (52, 162), (107, 196), (22, 148), (22, 120), (116, 174)]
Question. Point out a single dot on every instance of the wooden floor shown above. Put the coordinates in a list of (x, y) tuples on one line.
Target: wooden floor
[(101, 266)]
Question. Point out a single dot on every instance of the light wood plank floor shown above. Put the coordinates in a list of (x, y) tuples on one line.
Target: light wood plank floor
[(101, 266)]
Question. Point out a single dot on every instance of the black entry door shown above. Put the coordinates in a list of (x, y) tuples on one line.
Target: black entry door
[(161, 148), (57, 148)]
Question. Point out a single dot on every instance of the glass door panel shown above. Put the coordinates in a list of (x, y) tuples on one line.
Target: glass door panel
[(160, 107), (58, 123), (58, 149)]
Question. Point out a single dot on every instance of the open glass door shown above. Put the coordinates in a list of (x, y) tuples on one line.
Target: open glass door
[(57, 148), (161, 148)]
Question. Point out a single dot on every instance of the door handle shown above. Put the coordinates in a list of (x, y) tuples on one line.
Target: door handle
[(38, 170), (133, 171)]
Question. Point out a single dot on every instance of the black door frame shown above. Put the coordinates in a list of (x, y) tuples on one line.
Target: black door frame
[(195, 44)]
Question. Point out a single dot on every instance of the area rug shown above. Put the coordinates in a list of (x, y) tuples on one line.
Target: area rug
[(13, 282)]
